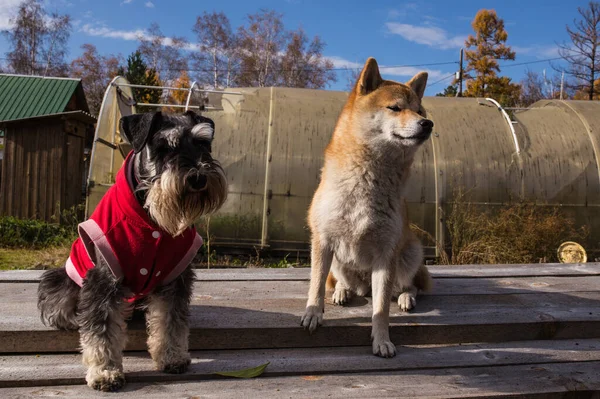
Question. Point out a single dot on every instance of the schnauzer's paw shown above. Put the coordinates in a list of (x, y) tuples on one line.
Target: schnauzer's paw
[(406, 301), (341, 296), (175, 364), (313, 318), (105, 380), (384, 348)]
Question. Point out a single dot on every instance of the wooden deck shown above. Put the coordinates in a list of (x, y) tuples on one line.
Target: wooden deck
[(485, 331)]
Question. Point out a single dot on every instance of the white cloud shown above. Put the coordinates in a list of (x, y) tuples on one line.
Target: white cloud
[(104, 31), (126, 2), (539, 51), (411, 71), (403, 10), (548, 52), (339, 62), (149, 4), (8, 10), (130, 35), (428, 35)]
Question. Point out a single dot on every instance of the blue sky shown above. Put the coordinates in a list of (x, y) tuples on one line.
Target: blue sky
[(396, 33)]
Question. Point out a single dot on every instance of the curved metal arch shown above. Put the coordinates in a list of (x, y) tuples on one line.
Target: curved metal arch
[(510, 125), (189, 97)]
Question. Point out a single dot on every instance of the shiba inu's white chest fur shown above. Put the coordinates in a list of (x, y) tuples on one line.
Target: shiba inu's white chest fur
[(364, 201)]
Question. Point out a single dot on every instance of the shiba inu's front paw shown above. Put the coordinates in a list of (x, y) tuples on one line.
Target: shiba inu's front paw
[(406, 301), (384, 348), (313, 317), (341, 296)]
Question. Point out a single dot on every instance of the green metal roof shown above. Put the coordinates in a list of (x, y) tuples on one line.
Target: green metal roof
[(29, 96)]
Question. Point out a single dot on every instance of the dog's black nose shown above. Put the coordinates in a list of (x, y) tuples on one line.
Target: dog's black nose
[(426, 123), (196, 182)]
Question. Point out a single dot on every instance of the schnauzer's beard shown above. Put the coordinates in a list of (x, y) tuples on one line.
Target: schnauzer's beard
[(174, 207)]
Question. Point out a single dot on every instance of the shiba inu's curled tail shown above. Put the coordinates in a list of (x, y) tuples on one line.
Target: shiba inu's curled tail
[(422, 280)]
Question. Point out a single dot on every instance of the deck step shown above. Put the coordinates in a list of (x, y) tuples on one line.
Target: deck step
[(259, 314), (66, 369), (544, 380)]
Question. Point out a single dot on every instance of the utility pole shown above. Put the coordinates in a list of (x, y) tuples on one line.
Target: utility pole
[(460, 75), (562, 82)]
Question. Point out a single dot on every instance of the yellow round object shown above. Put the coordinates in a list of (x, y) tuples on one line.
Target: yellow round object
[(571, 252)]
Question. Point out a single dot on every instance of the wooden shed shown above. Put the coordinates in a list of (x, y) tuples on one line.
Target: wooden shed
[(47, 128)]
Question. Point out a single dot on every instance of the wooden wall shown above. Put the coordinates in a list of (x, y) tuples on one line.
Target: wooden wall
[(42, 170)]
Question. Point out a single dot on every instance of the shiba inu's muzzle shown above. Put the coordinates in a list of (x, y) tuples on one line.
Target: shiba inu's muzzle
[(425, 129)]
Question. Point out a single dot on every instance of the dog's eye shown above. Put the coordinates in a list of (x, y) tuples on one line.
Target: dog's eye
[(421, 112), (395, 108)]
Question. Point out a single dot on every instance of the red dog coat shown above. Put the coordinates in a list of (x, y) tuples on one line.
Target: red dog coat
[(136, 250)]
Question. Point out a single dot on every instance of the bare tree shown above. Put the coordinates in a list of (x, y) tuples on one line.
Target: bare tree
[(163, 54), (532, 88), (55, 52), (303, 64), (38, 41), (96, 72), (582, 53), (352, 75), (217, 58), (260, 44)]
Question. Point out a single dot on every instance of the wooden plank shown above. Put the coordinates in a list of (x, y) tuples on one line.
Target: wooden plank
[(58, 162), (264, 289), (28, 141), (303, 274), (43, 178), (35, 166), (38, 370), (526, 270), (250, 315), (18, 175), (558, 380)]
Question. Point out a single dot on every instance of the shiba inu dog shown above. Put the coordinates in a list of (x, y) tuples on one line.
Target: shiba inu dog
[(358, 216)]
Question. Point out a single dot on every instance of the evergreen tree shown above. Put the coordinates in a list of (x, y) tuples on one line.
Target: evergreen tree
[(138, 73)]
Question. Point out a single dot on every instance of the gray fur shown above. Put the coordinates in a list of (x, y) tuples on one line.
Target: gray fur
[(57, 300), (177, 182)]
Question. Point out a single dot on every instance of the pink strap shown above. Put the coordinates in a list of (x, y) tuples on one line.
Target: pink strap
[(185, 261), (92, 235), (72, 272)]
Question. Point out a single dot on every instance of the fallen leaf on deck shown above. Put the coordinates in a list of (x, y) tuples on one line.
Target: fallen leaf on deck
[(312, 377), (245, 373)]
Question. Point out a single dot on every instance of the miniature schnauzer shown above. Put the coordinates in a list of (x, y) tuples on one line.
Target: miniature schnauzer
[(135, 249)]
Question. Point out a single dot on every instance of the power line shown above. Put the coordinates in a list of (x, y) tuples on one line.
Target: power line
[(530, 62), (340, 68), (440, 80), (293, 69), (326, 69)]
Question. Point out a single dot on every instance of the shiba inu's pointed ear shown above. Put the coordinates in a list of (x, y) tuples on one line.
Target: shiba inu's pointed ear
[(418, 83), (369, 79)]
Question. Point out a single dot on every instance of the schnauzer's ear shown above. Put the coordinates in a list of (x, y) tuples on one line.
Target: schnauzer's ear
[(139, 128), (197, 119)]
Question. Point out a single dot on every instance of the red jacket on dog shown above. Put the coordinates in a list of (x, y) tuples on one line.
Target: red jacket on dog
[(133, 246)]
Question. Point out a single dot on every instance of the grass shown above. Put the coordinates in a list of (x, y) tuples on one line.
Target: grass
[(30, 259), (250, 261)]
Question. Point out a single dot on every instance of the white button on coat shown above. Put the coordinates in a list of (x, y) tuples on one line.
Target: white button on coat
[(156, 234), (157, 274), (143, 272)]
